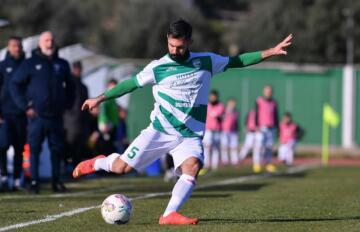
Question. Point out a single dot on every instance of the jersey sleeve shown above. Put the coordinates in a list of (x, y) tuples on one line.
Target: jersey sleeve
[(219, 63), (146, 76)]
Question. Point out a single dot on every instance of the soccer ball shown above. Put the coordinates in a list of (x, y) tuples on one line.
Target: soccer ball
[(116, 209)]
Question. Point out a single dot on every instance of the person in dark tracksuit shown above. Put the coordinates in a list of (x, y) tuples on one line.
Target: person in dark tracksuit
[(43, 87), (76, 121), (12, 119)]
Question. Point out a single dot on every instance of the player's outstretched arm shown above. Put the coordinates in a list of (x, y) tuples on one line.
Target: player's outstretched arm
[(251, 58), (120, 89)]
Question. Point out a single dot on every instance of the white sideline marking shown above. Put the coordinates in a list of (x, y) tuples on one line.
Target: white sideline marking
[(60, 195), (242, 179)]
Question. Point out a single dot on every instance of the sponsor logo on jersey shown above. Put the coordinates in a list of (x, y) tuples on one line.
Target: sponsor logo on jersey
[(9, 69), (169, 69), (38, 66), (196, 63)]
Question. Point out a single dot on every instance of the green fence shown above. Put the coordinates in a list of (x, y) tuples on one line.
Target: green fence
[(302, 93), (357, 113)]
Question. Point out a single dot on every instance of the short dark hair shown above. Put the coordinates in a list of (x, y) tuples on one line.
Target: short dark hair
[(112, 81), (14, 37), (180, 29), (77, 64), (214, 92), (288, 114)]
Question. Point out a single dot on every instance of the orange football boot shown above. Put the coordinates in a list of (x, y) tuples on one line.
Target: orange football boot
[(86, 167), (175, 218)]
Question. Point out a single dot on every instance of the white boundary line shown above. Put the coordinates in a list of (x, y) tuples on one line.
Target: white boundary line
[(242, 179), (60, 195)]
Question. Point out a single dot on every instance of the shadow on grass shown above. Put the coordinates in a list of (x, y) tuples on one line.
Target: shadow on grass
[(235, 187), (277, 220), (198, 196), (293, 175)]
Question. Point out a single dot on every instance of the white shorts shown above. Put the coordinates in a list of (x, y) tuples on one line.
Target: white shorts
[(151, 145), (230, 139)]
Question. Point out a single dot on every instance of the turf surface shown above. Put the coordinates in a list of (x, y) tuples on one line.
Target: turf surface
[(312, 200)]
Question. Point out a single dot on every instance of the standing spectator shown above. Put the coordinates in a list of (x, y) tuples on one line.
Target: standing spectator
[(290, 132), (43, 88), (215, 112), (121, 140), (108, 120), (76, 121), (94, 138), (267, 122), (12, 119), (250, 141), (230, 138)]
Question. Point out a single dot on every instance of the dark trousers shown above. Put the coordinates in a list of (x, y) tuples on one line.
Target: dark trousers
[(52, 129), (74, 150), (12, 133)]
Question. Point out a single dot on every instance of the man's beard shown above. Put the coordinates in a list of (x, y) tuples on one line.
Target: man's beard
[(179, 57), (48, 51)]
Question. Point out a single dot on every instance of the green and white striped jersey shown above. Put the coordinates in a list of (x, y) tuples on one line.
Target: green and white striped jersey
[(181, 91)]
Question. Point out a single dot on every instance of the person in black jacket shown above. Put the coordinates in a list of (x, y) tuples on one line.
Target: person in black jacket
[(43, 87), (76, 121), (12, 119)]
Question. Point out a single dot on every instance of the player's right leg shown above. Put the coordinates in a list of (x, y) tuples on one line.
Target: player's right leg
[(248, 144), (258, 151), (146, 148)]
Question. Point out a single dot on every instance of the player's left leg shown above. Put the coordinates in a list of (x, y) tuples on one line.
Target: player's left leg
[(225, 147), (216, 150), (188, 160), (207, 148), (258, 151), (290, 153), (282, 152), (233, 147)]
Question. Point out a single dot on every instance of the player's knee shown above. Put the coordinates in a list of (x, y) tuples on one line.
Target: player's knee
[(191, 166)]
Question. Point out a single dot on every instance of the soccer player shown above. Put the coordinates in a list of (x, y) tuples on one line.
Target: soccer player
[(181, 81), (108, 120), (230, 138), (215, 111), (250, 141), (289, 133), (267, 122)]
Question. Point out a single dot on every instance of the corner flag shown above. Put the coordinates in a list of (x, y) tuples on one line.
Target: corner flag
[(330, 119)]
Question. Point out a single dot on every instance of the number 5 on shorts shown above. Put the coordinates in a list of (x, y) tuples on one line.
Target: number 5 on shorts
[(132, 153)]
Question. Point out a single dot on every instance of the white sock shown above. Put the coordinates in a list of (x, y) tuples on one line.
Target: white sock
[(207, 158), (234, 156), (181, 192), (106, 163), (225, 156), (257, 155), (215, 159)]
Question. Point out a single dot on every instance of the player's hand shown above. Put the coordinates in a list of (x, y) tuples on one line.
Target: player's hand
[(92, 103), (280, 48)]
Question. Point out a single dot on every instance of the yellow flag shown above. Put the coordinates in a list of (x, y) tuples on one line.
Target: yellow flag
[(330, 116)]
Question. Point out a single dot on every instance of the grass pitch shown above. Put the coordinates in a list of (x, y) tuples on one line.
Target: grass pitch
[(321, 199)]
